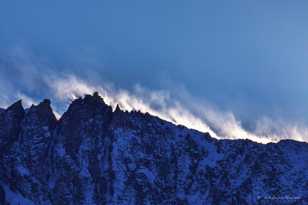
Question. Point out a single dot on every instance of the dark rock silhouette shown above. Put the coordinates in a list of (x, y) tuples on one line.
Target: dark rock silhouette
[(92, 155)]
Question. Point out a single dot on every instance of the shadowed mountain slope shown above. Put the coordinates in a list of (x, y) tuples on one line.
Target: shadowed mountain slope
[(94, 155)]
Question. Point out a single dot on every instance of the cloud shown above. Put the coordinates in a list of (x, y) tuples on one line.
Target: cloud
[(279, 128), (193, 115), (226, 125), (26, 100), (155, 103), (23, 76), (34, 79)]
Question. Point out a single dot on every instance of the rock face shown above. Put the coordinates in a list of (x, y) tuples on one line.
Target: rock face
[(94, 155)]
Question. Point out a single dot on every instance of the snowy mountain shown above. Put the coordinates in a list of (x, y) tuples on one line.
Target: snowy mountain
[(94, 155)]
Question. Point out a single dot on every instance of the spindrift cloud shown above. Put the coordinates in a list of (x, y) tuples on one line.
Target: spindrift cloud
[(37, 79)]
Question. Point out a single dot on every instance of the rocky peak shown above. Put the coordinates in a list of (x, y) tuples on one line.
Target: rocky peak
[(87, 107), (36, 136), (10, 125), (95, 98), (37, 125), (16, 109), (89, 112), (120, 118), (118, 109), (43, 113)]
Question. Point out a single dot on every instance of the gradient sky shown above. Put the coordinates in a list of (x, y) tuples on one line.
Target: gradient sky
[(250, 57)]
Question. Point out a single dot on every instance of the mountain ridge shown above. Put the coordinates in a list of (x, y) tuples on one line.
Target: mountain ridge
[(118, 109), (94, 155)]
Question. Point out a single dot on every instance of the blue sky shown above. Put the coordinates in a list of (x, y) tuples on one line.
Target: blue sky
[(248, 57)]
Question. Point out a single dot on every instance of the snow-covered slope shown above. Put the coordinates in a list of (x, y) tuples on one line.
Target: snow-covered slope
[(94, 155)]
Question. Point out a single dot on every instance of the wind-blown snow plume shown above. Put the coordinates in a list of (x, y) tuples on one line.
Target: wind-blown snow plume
[(159, 103), (154, 103), (39, 80)]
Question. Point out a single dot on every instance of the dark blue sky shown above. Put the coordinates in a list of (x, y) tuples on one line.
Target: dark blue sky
[(250, 57)]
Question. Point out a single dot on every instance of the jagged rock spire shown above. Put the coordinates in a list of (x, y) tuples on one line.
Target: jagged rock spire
[(91, 110), (10, 125), (43, 112), (16, 107), (94, 104), (117, 109)]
